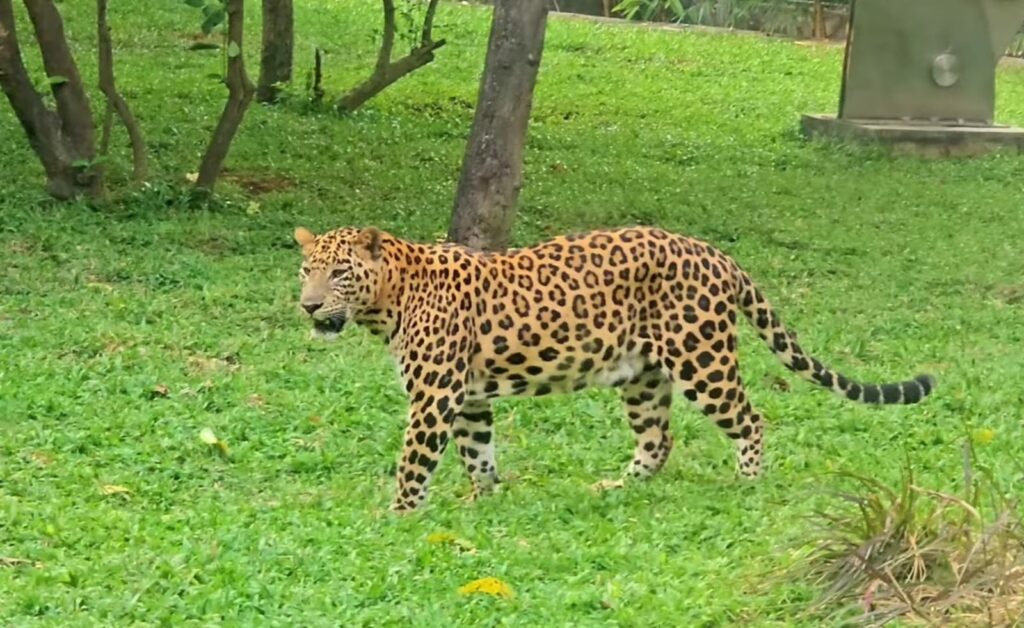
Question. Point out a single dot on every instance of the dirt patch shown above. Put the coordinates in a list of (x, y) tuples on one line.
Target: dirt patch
[(201, 41), (1011, 294), (20, 247), (259, 184)]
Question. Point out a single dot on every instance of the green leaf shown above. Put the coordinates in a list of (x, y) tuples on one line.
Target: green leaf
[(213, 20), (209, 8), (56, 80), (233, 50), (195, 3), (81, 163)]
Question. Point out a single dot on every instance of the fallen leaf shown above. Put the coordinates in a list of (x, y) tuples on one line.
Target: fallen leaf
[(487, 586), (191, 177), (207, 436), (159, 391), (449, 538), (255, 400), (607, 485), (115, 489), (436, 538), (984, 436), (204, 365), (868, 600), (42, 458), (315, 419)]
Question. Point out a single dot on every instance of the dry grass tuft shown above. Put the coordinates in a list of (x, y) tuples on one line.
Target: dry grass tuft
[(923, 556)]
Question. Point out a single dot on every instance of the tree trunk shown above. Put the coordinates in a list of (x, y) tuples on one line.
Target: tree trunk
[(278, 44), (64, 141), (819, 21), (492, 167), (240, 93), (387, 71), (318, 75), (115, 103)]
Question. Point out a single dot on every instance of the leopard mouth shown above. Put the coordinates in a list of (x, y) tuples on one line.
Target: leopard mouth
[(328, 327)]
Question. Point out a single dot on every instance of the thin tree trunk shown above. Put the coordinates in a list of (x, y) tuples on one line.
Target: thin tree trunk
[(819, 21), (387, 71), (277, 51), (492, 167), (63, 140), (66, 83), (115, 103), (240, 93), (318, 75)]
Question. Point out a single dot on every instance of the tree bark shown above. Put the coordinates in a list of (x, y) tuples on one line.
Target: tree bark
[(63, 141), (240, 93), (492, 167), (115, 103), (277, 51), (387, 71), (318, 75), (819, 20)]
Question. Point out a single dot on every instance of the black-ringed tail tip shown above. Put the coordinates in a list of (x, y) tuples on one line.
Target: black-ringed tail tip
[(910, 391)]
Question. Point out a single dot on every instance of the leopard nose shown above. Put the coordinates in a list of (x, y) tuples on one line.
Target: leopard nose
[(311, 307)]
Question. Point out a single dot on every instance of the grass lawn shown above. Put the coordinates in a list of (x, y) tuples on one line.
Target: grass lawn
[(125, 331)]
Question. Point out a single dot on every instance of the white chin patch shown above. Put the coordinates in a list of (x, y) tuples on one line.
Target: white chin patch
[(322, 334)]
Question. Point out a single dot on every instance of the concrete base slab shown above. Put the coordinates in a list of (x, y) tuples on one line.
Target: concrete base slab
[(917, 138)]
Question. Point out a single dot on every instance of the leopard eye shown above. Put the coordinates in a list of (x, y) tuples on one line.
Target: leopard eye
[(304, 272), (338, 273)]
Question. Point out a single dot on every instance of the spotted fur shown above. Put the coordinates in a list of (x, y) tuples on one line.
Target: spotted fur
[(640, 309)]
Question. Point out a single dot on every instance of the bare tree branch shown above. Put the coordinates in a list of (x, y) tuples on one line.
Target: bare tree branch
[(386, 71), (108, 127), (240, 94), (428, 23), (387, 44), (114, 100)]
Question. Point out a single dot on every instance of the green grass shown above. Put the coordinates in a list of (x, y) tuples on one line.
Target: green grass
[(884, 266)]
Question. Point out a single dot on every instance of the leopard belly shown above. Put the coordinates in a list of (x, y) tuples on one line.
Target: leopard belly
[(611, 374)]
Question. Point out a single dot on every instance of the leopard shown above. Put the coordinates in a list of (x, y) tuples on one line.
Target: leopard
[(639, 309)]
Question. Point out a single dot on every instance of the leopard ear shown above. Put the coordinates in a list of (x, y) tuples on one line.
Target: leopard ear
[(305, 238), (369, 240)]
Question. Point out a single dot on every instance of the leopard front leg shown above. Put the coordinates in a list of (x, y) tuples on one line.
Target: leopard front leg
[(435, 380), (426, 438), (474, 437)]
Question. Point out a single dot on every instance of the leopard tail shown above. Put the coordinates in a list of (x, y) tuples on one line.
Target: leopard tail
[(784, 344)]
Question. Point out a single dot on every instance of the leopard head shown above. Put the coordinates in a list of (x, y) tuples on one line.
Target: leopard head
[(341, 275)]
